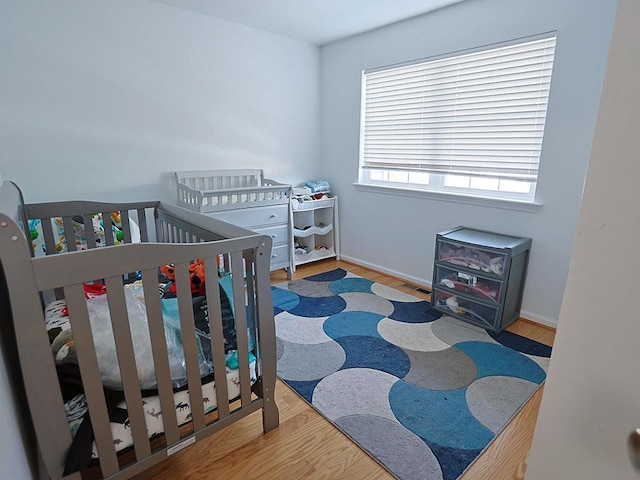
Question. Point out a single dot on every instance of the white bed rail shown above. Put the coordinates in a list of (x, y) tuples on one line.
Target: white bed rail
[(215, 190)]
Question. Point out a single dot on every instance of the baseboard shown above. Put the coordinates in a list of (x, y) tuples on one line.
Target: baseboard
[(539, 319), (529, 316), (420, 282)]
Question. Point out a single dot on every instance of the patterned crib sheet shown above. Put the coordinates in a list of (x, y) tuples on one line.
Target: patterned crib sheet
[(121, 431)]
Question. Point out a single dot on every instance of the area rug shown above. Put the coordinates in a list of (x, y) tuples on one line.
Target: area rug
[(423, 394)]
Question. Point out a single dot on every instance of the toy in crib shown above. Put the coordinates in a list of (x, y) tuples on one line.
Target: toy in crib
[(36, 237), (79, 233), (196, 277)]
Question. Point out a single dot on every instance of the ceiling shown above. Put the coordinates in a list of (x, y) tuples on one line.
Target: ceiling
[(314, 21)]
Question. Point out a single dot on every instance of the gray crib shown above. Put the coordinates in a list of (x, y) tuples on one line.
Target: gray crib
[(167, 235)]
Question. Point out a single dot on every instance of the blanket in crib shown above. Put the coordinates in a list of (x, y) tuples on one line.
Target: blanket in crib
[(62, 344)]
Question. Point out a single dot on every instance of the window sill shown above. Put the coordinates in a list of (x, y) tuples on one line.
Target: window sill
[(532, 207)]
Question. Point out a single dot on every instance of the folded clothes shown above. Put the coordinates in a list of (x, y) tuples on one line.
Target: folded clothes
[(302, 191), (318, 186)]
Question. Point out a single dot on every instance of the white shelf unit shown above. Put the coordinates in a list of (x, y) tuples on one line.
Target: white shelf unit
[(315, 230)]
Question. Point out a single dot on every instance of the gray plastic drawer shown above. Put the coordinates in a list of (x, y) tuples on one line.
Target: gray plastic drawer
[(474, 258), (474, 284), (466, 309)]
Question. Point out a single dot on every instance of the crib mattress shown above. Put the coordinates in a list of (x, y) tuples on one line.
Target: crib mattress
[(121, 431)]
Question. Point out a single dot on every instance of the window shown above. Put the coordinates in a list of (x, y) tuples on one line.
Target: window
[(470, 123)]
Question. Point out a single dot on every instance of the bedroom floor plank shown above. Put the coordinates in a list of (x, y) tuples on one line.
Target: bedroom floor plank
[(306, 446)]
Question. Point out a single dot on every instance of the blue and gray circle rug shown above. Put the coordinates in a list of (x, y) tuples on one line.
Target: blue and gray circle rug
[(424, 394)]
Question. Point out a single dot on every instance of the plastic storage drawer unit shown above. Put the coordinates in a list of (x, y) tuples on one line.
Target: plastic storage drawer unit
[(478, 276)]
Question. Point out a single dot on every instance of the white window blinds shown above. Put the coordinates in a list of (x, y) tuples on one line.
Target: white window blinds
[(478, 114)]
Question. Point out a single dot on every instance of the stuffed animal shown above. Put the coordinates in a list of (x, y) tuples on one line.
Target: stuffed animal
[(196, 277), (169, 272), (64, 348)]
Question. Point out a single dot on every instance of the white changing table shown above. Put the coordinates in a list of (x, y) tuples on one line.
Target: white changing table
[(244, 198)]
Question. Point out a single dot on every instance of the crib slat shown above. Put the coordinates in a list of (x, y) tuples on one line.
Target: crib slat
[(127, 362), (49, 239), (69, 234), (217, 336), (163, 230), (159, 230), (266, 326), (252, 312), (50, 246), (89, 232), (88, 363), (160, 355), (142, 224), (107, 223), (126, 226), (241, 327), (185, 307)]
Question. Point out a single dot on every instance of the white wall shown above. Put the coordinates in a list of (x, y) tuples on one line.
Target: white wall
[(397, 234), (17, 456), (592, 394), (103, 99)]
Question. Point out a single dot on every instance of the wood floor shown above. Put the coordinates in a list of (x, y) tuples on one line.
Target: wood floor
[(306, 446)]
